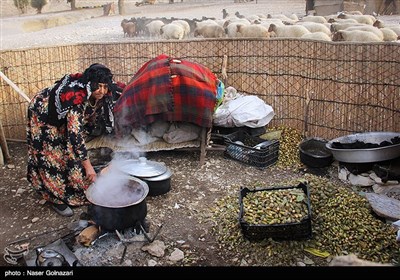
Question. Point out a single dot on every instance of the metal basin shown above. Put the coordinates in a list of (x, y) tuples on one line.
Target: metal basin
[(366, 155)]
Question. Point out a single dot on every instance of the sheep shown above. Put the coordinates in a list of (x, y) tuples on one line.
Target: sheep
[(252, 18), (317, 19), (224, 13), (205, 22), (172, 31), (317, 36), (336, 26), (389, 34), (185, 25), (368, 28), (283, 18), (366, 19), (342, 20), (238, 15), (210, 31), (128, 27), (254, 30), (154, 27), (288, 31), (355, 36), (394, 27), (268, 22), (315, 27), (236, 20), (231, 30)]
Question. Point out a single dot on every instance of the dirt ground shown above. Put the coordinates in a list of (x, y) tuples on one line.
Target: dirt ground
[(181, 212), (185, 212)]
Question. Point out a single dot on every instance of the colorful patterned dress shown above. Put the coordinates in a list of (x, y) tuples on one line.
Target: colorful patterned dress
[(56, 152)]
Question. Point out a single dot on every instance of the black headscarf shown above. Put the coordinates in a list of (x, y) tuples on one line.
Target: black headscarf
[(95, 74), (76, 89)]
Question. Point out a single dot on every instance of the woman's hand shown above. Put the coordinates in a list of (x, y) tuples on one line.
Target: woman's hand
[(90, 173)]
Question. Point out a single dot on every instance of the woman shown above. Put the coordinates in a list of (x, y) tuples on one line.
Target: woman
[(60, 117)]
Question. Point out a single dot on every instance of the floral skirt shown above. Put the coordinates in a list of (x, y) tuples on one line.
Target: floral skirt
[(53, 169)]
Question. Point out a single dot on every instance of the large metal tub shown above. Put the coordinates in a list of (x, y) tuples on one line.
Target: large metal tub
[(366, 155)]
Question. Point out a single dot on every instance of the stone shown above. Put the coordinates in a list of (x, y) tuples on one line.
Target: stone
[(357, 180), (384, 206)]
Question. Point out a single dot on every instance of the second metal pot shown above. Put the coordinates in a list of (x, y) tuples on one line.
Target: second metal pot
[(159, 185)]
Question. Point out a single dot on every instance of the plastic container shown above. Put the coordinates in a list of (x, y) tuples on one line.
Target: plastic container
[(251, 150), (288, 231)]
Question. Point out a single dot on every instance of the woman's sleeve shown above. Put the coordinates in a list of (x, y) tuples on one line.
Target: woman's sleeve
[(76, 132)]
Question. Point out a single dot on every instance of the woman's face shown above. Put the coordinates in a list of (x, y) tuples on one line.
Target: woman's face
[(100, 92)]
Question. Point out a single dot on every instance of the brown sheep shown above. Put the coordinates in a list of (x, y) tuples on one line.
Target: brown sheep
[(128, 27)]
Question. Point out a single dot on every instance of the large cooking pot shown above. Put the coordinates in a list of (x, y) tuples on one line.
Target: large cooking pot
[(117, 202)]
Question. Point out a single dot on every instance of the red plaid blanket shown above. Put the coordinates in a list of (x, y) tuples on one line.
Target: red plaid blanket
[(167, 89)]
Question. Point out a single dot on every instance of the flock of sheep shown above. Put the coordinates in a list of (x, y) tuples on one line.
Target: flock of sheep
[(345, 26)]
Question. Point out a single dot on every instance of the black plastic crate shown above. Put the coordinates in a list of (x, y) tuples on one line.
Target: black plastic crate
[(264, 156), (287, 231)]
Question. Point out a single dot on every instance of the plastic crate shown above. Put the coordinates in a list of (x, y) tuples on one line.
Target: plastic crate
[(265, 156), (288, 231)]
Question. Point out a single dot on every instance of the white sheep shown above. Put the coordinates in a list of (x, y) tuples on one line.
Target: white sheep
[(395, 27), (336, 26), (154, 28), (253, 30), (368, 28), (172, 31), (288, 31), (210, 31), (355, 36), (389, 34), (321, 36), (284, 18), (317, 19), (231, 29), (366, 19), (206, 22), (185, 25), (315, 27)]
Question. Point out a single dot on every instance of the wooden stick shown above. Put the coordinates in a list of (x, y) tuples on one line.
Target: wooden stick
[(223, 70), (14, 86)]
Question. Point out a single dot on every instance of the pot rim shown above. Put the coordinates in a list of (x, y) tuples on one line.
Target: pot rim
[(143, 168), (165, 176), (141, 182)]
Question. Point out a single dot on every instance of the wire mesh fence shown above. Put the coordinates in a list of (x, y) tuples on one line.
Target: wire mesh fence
[(324, 89)]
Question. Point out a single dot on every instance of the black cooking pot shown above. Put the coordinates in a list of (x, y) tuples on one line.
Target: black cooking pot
[(118, 218), (159, 185), (118, 206), (314, 153)]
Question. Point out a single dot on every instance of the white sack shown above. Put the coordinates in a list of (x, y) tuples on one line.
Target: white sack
[(181, 132), (249, 110)]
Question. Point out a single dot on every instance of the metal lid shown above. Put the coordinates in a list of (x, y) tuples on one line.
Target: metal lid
[(165, 176), (143, 168), (117, 192)]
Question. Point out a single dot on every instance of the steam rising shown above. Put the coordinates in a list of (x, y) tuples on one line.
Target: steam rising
[(113, 187)]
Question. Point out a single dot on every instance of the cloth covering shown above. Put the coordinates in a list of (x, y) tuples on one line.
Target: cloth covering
[(167, 89)]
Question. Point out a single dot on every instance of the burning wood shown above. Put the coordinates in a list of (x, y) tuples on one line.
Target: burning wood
[(88, 235)]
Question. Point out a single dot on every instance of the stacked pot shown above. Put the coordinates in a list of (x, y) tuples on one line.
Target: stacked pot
[(156, 174)]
